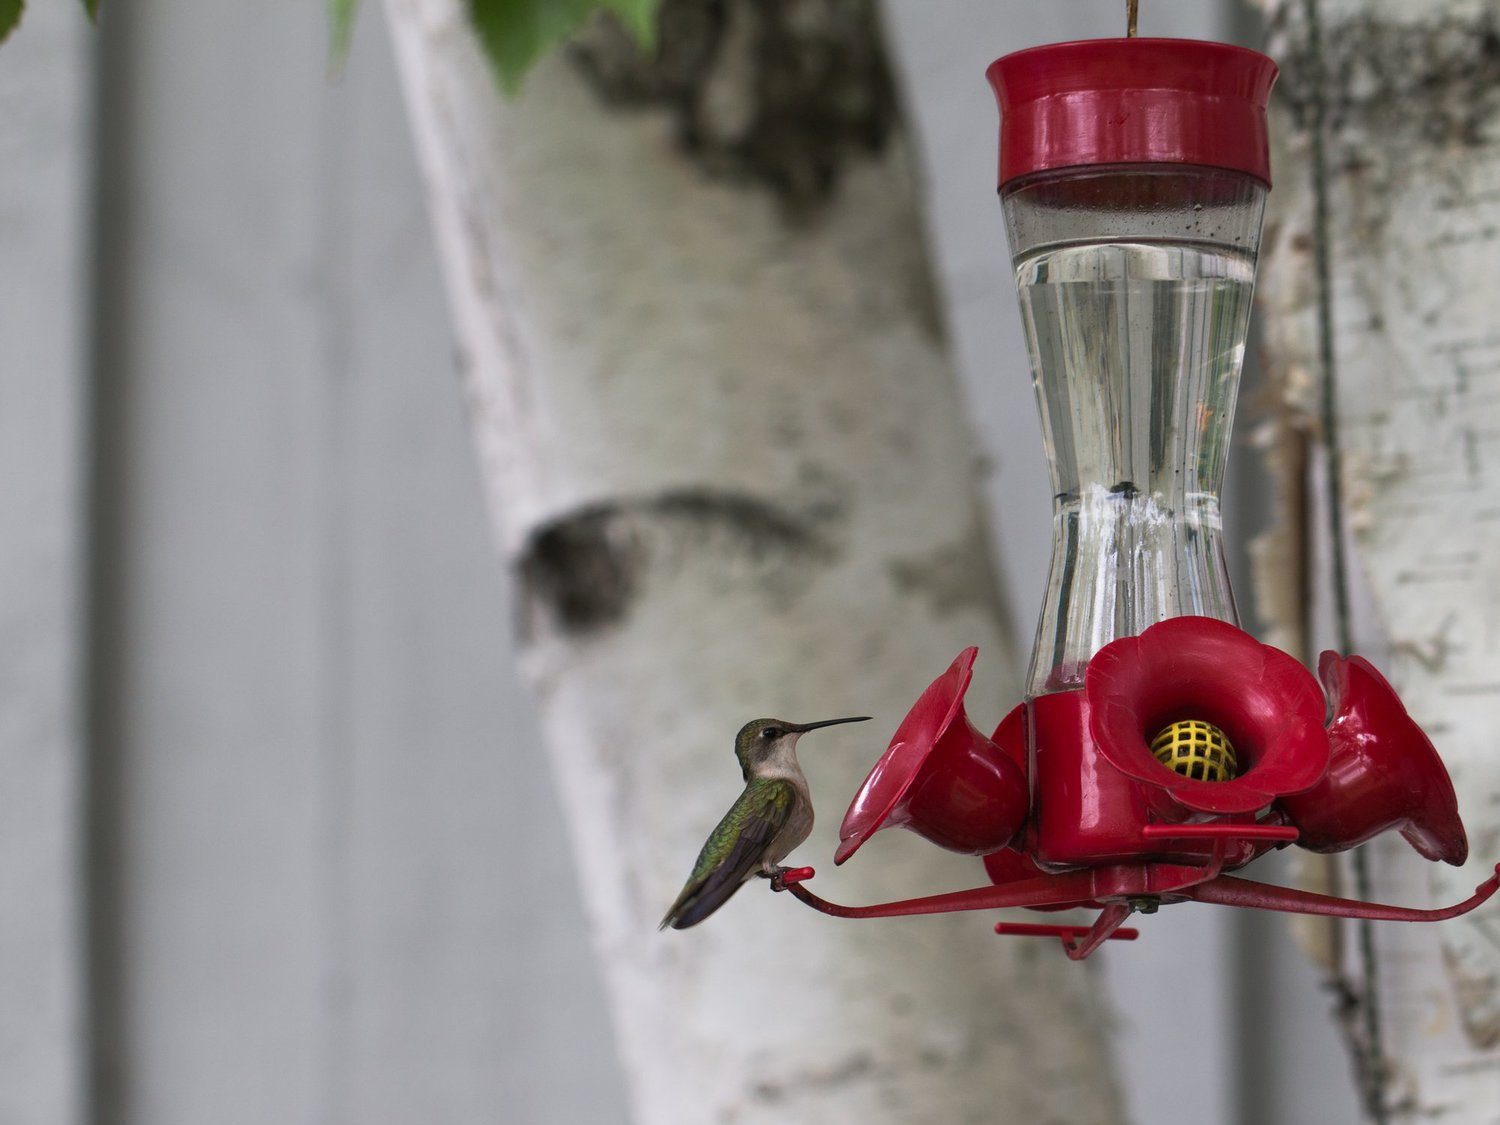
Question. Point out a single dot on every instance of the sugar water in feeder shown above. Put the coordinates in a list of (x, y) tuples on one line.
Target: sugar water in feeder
[(1134, 254), (1135, 295)]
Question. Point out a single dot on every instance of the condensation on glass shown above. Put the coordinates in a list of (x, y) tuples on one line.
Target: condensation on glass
[(1135, 286)]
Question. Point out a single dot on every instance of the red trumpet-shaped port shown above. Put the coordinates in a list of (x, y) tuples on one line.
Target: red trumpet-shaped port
[(1199, 668), (942, 778), (1383, 772)]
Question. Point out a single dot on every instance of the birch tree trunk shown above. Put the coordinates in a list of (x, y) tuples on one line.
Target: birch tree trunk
[(726, 458), (1408, 94)]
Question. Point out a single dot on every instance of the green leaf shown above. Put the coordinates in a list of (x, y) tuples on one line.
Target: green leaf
[(10, 16), (92, 8), (517, 33), (640, 17), (341, 28)]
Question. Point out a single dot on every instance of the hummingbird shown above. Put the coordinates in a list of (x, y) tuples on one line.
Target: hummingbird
[(772, 816)]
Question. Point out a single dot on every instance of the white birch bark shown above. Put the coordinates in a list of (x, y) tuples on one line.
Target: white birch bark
[(1413, 172), (725, 454)]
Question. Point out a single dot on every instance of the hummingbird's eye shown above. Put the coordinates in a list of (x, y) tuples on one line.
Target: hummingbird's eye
[(769, 733)]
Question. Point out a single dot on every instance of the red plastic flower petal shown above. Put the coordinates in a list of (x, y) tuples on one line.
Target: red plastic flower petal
[(941, 778), (1384, 772), (1201, 668)]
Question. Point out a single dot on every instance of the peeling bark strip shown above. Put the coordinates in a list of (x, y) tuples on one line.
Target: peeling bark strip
[(782, 92), (1413, 104), (728, 456)]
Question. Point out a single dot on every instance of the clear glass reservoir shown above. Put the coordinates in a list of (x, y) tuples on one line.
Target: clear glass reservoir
[(1135, 287)]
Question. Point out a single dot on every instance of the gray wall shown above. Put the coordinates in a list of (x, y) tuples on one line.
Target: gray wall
[(280, 770), (43, 293)]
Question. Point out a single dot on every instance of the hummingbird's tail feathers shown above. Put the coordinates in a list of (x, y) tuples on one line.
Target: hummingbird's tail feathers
[(674, 912), (692, 908)]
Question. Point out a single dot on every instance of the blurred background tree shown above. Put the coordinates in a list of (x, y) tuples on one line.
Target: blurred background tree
[(728, 463)]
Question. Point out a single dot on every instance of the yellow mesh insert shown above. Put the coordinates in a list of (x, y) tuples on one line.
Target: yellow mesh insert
[(1197, 750)]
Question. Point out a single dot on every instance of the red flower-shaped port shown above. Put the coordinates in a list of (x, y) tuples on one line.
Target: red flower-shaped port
[(1186, 668), (941, 778), (1383, 772)]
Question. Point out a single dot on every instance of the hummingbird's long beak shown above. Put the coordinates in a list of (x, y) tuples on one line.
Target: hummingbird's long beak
[(803, 728)]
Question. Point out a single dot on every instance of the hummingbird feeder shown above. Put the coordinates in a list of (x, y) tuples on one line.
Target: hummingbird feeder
[(1159, 747)]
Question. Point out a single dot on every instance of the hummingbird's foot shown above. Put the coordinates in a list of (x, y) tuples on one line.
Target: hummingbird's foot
[(784, 877)]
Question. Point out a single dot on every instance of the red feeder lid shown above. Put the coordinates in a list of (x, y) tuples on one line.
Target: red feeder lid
[(1133, 101)]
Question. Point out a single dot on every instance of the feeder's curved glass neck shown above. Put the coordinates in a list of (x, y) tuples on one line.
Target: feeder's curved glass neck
[(1135, 287)]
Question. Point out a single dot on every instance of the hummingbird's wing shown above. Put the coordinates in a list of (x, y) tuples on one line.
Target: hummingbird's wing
[(734, 851)]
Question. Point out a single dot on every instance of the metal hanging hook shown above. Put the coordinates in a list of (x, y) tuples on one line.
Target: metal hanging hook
[(1132, 17)]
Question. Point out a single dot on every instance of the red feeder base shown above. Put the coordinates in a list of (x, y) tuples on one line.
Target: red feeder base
[(1125, 890)]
